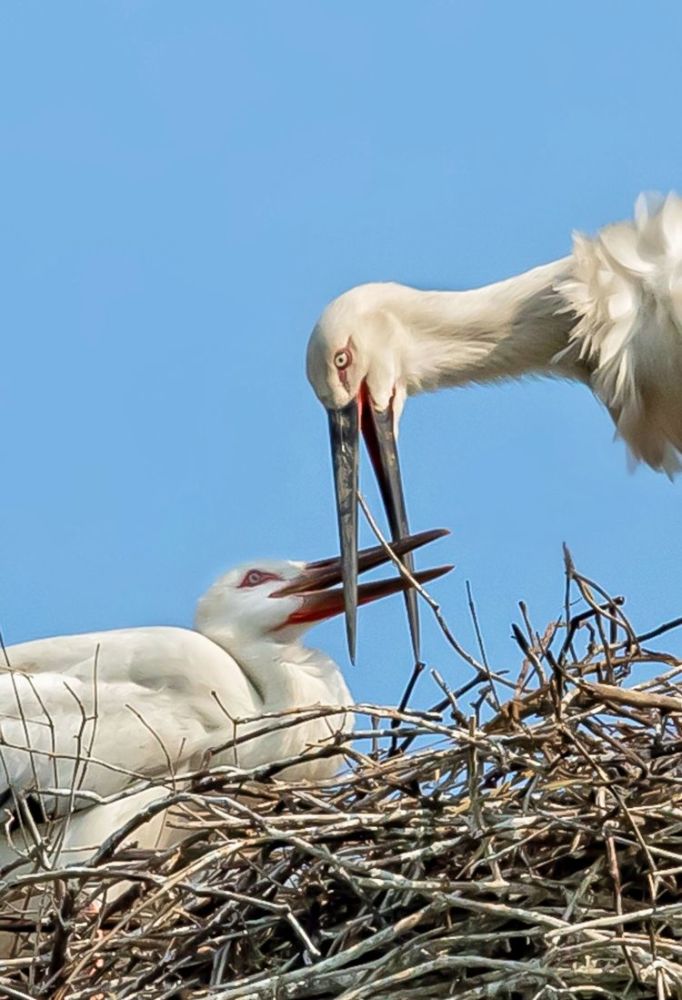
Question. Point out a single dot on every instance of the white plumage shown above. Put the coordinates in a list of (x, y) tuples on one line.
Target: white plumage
[(625, 287), (131, 698), (82, 717)]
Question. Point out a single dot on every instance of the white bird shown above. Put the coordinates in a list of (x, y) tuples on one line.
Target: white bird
[(608, 315), (83, 716)]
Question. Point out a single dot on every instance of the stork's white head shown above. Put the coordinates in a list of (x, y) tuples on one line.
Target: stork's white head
[(240, 601), (278, 600), (359, 346), (357, 365)]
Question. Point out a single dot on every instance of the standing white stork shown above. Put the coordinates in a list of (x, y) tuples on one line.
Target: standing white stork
[(609, 315), (83, 716)]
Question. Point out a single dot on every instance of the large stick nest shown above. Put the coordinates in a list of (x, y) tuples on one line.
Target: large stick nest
[(521, 840)]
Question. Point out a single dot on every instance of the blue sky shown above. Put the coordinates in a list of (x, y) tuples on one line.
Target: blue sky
[(186, 186)]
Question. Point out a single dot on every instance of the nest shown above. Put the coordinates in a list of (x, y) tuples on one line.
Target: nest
[(523, 839)]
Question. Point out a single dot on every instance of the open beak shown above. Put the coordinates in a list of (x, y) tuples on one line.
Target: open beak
[(377, 428), (321, 599)]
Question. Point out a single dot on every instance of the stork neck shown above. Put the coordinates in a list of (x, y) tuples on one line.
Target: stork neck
[(285, 675), (506, 329)]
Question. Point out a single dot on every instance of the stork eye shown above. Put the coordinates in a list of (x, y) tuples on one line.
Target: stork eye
[(342, 359), (254, 577)]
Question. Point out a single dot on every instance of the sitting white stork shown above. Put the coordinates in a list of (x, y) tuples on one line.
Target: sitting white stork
[(609, 315), (84, 716)]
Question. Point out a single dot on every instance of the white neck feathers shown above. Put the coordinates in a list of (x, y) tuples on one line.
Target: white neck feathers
[(502, 330), (284, 675)]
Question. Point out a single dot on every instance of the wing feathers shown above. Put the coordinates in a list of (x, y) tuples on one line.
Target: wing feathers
[(93, 712), (626, 287)]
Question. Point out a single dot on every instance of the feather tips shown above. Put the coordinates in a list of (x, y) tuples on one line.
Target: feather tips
[(625, 286)]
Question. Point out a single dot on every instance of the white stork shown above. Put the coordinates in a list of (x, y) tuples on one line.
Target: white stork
[(83, 716), (608, 315)]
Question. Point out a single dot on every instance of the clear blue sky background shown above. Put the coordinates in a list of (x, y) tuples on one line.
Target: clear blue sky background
[(185, 185)]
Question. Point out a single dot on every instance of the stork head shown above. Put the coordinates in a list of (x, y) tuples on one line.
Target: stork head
[(360, 342), (274, 600), (357, 366)]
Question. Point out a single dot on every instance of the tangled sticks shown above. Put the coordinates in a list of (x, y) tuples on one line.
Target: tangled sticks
[(522, 840)]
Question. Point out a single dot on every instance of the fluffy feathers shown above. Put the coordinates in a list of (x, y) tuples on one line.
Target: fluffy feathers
[(626, 289)]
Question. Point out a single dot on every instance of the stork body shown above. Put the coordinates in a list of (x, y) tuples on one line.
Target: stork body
[(83, 717), (608, 315), (150, 698)]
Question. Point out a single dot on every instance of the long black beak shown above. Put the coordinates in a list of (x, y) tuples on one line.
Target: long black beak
[(378, 432), (327, 572), (344, 431)]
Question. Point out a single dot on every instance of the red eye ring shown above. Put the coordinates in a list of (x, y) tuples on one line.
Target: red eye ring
[(254, 577)]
